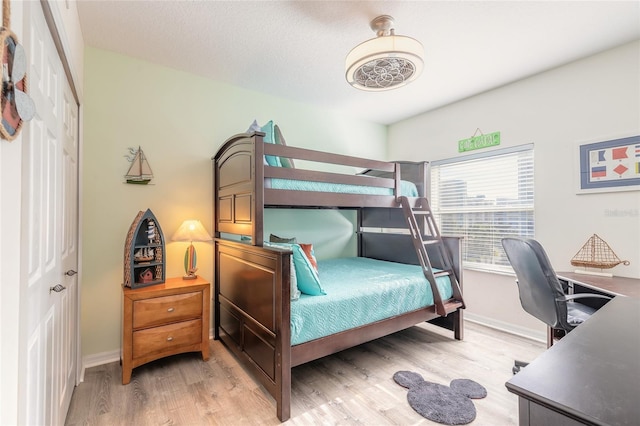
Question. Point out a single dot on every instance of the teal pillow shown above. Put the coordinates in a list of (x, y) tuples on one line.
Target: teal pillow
[(286, 162), (293, 280), (308, 281), (306, 275), (269, 137)]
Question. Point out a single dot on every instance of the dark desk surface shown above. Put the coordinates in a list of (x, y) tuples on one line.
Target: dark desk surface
[(614, 285), (593, 373)]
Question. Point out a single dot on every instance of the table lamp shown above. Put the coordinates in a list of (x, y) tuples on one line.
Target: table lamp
[(191, 230)]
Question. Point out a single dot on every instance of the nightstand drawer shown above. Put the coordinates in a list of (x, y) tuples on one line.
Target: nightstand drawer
[(167, 337), (166, 309), (164, 319)]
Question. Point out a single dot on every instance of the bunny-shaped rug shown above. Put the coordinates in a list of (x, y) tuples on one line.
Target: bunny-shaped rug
[(450, 405)]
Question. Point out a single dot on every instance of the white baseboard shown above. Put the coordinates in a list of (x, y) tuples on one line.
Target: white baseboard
[(98, 359), (539, 336)]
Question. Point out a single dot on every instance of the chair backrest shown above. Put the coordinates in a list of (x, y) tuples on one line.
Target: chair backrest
[(541, 294)]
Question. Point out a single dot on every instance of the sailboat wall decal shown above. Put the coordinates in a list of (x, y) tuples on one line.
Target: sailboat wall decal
[(140, 171)]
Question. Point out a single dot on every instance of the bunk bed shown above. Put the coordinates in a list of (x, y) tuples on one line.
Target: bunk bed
[(253, 279)]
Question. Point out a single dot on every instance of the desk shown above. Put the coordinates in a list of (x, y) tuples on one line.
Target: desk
[(614, 286), (591, 376)]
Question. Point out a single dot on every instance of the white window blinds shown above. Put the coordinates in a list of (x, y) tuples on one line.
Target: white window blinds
[(483, 198)]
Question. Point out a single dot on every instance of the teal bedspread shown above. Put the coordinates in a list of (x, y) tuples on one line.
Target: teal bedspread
[(408, 189), (360, 291)]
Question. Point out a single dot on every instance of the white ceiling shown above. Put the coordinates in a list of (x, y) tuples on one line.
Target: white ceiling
[(296, 49)]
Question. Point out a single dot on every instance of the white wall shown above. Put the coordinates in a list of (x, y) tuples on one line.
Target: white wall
[(591, 100), (10, 188), (180, 120), (10, 249)]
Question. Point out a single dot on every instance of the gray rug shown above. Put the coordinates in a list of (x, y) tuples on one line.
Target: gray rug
[(450, 405), (468, 388)]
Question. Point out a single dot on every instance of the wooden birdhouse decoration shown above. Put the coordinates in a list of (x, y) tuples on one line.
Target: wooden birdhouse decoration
[(144, 259)]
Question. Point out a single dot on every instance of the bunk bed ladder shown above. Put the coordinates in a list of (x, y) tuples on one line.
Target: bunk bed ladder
[(424, 233)]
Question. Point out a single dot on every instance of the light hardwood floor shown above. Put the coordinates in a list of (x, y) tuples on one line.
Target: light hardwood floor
[(353, 387)]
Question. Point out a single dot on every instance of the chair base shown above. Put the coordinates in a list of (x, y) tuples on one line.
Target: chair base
[(518, 365), (553, 334)]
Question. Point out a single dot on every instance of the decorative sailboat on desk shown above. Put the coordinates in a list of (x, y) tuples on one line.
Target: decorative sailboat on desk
[(139, 172), (596, 253)]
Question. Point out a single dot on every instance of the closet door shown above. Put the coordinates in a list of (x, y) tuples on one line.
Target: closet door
[(69, 307), (49, 299)]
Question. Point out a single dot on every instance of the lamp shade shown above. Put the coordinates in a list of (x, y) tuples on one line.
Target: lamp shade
[(191, 230)]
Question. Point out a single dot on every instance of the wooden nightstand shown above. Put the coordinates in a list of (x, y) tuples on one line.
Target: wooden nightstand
[(164, 319)]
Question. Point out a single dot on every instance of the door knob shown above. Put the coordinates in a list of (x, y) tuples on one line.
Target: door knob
[(57, 288), (70, 273)]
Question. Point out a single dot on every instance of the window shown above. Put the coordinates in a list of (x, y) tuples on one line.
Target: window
[(483, 198)]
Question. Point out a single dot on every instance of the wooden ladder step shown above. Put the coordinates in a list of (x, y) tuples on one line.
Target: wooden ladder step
[(418, 234), (452, 305), (442, 274)]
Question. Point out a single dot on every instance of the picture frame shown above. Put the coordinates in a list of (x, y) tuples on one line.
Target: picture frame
[(609, 166)]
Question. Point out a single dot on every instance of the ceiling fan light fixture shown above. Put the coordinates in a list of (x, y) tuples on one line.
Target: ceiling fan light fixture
[(385, 62)]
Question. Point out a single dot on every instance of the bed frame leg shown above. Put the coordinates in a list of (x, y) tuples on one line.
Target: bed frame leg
[(458, 325), (283, 414), (283, 403)]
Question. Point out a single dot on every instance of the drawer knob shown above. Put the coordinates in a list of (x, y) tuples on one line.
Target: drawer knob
[(170, 310), (169, 339)]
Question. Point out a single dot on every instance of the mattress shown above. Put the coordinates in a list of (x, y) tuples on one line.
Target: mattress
[(408, 189), (360, 291)]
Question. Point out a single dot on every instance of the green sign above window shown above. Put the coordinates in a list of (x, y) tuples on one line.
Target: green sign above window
[(478, 142)]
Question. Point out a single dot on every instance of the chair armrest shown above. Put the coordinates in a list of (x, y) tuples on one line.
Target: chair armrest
[(568, 297)]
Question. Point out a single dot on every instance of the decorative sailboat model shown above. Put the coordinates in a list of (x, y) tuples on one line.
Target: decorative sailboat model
[(139, 171), (145, 254), (596, 253)]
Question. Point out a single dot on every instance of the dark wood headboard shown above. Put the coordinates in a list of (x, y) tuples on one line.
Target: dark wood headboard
[(236, 193), (239, 189)]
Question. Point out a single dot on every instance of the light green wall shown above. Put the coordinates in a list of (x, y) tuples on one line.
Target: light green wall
[(332, 232), (180, 120)]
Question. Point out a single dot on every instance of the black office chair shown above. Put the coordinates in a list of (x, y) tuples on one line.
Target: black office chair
[(541, 294)]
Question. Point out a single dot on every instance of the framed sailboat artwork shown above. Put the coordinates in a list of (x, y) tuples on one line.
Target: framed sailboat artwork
[(139, 172)]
